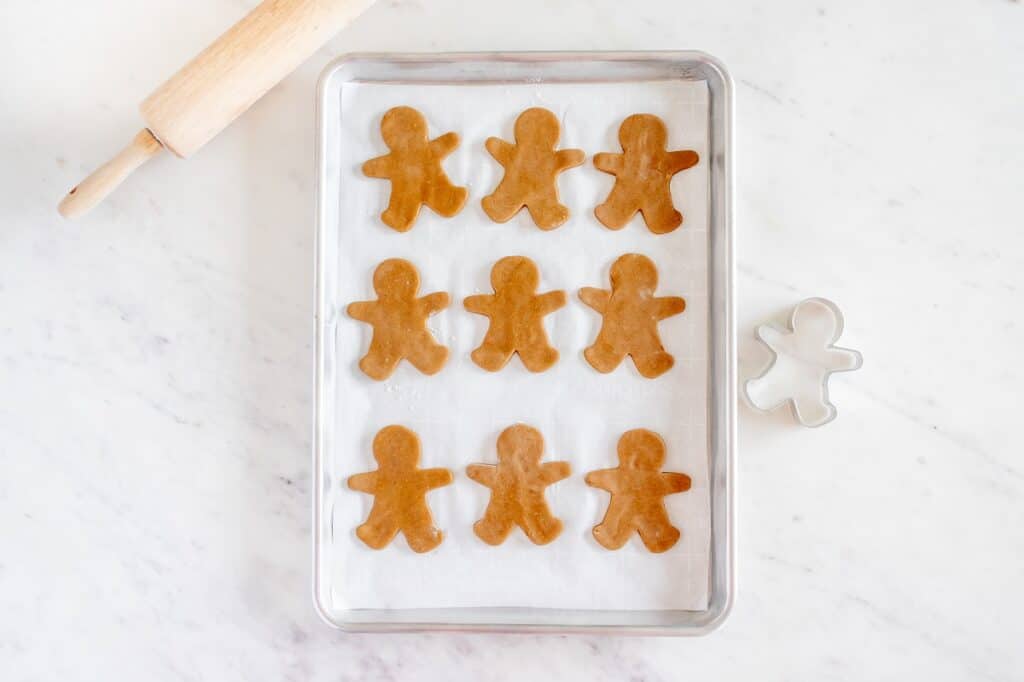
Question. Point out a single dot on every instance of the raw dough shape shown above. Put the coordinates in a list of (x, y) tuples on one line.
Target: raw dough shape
[(517, 315), (631, 315), (414, 169), (399, 321), (517, 486), (399, 488), (643, 174), (638, 487), (531, 167), (805, 357)]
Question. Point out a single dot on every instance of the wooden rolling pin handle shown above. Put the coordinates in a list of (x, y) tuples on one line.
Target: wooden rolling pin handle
[(107, 177)]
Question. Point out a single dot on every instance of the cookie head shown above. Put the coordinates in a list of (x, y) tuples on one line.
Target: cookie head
[(819, 320), (520, 443), (403, 127), (515, 271), (643, 132), (538, 127), (634, 271), (396, 279), (396, 447), (641, 449)]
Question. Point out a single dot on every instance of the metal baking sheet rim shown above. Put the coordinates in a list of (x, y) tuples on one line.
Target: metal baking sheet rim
[(722, 380)]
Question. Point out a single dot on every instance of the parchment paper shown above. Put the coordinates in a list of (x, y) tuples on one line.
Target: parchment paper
[(459, 412)]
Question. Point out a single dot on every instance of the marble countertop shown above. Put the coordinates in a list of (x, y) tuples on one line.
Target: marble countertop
[(156, 357)]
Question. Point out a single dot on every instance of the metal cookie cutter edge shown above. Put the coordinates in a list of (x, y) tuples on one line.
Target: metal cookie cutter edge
[(833, 412)]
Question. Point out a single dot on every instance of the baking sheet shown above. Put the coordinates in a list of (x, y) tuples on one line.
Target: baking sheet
[(459, 412)]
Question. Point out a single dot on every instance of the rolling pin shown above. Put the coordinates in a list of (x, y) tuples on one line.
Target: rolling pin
[(217, 86)]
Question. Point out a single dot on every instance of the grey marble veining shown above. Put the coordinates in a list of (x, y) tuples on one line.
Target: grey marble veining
[(156, 357)]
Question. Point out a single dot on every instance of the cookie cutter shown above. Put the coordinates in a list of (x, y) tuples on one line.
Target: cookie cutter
[(807, 353)]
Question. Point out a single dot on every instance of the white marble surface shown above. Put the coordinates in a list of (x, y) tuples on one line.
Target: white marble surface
[(156, 358)]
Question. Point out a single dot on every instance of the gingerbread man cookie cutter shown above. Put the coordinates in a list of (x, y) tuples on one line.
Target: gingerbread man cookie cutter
[(804, 358)]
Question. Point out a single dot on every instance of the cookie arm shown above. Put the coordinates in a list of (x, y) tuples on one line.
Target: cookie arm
[(364, 311), (436, 478), (675, 483), (551, 301), (569, 158), (482, 473), (595, 298), (364, 483), (434, 302), (681, 160), (501, 151), (772, 336), (605, 479), (843, 360), (479, 304), (609, 163), (379, 167), (444, 145), (668, 306), (552, 472)]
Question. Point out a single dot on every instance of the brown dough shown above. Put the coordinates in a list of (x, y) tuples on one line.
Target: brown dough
[(631, 315), (414, 168), (531, 167), (399, 488), (642, 176), (399, 321), (517, 488), (517, 317), (637, 486)]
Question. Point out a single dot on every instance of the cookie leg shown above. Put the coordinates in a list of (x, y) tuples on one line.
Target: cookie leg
[(423, 538), (491, 356), (603, 357), (769, 391), (538, 357), (428, 356), (813, 410), (377, 533), (493, 528), (548, 213), (378, 364), (446, 199), (541, 527), (615, 527), (401, 211), (501, 205), (616, 211), (660, 215), (419, 530), (654, 364), (657, 533)]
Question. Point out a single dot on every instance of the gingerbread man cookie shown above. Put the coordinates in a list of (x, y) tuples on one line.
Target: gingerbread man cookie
[(517, 486), (517, 317), (531, 167), (643, 173), (631, 315), (414, 169), (399, 321), (399, 488), (637, 486)]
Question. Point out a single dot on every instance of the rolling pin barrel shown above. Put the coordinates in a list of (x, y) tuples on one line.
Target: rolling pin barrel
[(218, 85)]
